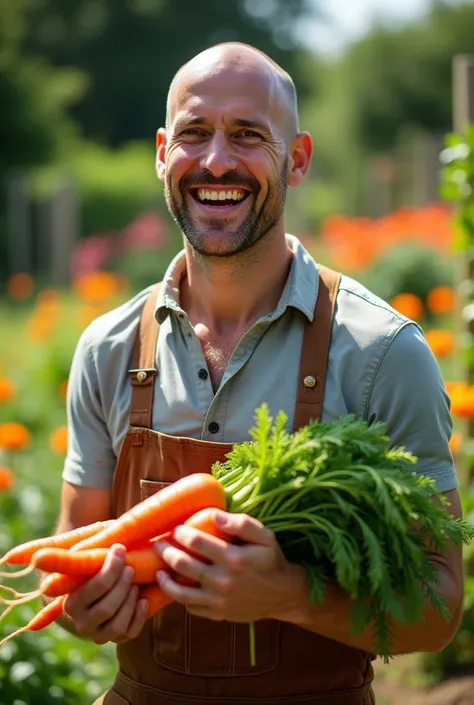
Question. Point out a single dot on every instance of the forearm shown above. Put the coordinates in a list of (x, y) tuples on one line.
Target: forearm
[(332, 618)]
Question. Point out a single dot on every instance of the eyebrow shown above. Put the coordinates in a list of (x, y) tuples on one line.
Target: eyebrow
[(184, 122)]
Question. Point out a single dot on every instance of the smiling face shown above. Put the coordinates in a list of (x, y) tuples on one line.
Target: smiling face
[(225, 155)]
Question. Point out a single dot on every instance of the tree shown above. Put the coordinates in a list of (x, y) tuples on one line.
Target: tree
[(33, 96), (130, 50)]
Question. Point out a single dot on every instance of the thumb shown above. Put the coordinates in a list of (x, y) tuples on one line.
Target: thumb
[(244, 527)]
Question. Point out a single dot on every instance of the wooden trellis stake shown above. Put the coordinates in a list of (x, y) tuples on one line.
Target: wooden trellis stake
[(463, 115)]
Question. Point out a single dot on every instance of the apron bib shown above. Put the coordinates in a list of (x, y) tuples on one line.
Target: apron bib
[(182, 659)]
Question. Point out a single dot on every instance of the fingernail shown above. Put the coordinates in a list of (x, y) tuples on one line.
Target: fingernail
[(160, 576), (158, 546), (128, 574)]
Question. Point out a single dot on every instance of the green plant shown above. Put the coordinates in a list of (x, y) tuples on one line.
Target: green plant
[(408, 268)]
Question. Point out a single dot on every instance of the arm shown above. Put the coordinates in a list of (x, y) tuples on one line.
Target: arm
[(106, 607), (407, 393), (433, 633)]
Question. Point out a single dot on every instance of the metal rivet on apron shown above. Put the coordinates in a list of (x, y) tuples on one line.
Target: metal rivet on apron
[(309, 382), (141, 376)]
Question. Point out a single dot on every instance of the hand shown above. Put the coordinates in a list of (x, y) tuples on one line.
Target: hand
[(238, 583), (105, 608)]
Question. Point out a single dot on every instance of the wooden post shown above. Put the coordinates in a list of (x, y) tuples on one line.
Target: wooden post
[(63, 233), (19, 245), (463, 115)]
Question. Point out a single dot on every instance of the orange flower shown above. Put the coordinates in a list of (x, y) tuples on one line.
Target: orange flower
[(63, 390), (441, 342), (7, 478), (97, 287), (455, 443), (87, 313), (14, 436), (48, 296), (7, 390), (40, 327), (462, 401), (20, 286), (408, 305), (441, 300), (451, 386), (58, 440)]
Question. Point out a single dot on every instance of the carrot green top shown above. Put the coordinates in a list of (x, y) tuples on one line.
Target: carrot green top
[(380, 368)]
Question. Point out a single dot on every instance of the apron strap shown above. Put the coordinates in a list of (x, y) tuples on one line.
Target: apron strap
[(313, 364), (315, 351), (142, 376)]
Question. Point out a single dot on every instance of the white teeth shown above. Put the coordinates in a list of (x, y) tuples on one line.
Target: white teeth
[(208, 195)]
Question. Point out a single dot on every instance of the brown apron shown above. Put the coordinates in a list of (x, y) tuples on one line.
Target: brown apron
[(179, 659)]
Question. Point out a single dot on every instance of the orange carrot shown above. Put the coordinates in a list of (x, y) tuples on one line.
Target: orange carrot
[(160, 512), (44, 618), (23, 553), (68, 570), (56, 584)]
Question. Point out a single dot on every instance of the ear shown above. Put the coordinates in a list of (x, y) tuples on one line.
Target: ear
[(301, 152), (160, 162)]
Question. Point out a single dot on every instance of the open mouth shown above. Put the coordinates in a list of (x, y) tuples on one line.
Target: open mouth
[(221, 197)]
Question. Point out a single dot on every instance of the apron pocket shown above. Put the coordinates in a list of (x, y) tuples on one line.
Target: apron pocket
[(202, 647), (149, 487)]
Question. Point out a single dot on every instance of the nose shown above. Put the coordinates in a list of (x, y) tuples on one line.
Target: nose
[(218, 158)]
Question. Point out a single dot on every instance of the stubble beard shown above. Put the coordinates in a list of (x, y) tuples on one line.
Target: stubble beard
[(249, 232)]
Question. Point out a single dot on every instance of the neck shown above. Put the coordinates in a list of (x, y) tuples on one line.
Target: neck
[(230, 293)]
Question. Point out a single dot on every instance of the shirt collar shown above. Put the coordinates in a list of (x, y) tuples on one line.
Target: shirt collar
[(300, 292)]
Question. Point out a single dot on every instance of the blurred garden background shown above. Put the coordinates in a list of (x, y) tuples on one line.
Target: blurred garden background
[(83, 225)]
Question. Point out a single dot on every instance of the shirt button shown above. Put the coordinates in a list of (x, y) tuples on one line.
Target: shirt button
[(213, 427), (203, 374)]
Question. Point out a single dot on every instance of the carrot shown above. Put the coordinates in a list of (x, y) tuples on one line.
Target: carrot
[(44, 618), (68, 570), (160, 512), (155, 597), (23, 553)]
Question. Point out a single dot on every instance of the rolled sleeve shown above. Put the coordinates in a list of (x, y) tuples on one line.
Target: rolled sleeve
[(90, 460), (408, 394)]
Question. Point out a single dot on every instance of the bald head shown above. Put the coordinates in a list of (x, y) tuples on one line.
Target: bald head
[(244, 60)]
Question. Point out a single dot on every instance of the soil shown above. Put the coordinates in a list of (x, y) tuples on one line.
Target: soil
[(397, 685)]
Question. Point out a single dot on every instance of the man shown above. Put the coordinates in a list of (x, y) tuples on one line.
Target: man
[(245, 315)]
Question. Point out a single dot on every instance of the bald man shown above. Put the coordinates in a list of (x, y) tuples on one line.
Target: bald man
[(164, 385)]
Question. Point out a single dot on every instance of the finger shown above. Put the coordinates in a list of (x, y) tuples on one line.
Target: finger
[(210, 548), (98, 586), (183, 594), (181, 562), (117, 627), (138, 620), (244, 527), (108, 605)]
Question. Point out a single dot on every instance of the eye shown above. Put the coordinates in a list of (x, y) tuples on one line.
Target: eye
[(192, 133), (248, 134)]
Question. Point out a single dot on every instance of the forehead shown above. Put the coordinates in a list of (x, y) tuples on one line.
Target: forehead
[(224, 93)]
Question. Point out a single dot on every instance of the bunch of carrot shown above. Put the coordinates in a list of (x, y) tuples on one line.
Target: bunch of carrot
[(71, 558)]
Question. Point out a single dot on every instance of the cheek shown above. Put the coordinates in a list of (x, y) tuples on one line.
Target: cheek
[(178, 162)]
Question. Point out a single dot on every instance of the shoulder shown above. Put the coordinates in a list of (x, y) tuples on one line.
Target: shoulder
[(365, 325)]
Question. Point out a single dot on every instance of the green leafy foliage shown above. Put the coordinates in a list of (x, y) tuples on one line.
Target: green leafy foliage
[(408, 268), (349, 508)]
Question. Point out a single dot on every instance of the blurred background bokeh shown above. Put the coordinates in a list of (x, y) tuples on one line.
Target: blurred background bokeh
[(83, 225)]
